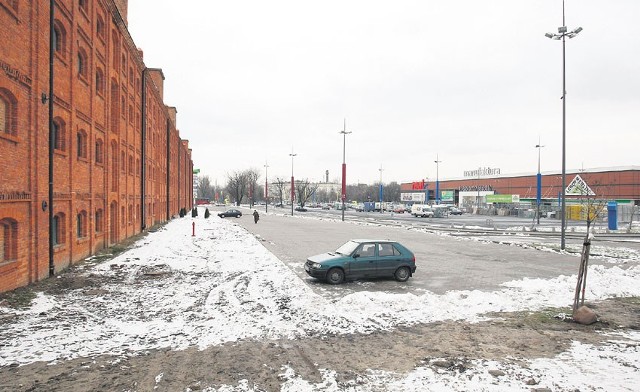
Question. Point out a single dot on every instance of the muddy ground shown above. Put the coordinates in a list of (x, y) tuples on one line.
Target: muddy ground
[(508, 337)]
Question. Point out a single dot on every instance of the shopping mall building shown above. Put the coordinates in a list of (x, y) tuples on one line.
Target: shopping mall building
[(488, 187)]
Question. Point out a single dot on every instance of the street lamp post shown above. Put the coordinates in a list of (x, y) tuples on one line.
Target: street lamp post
[(292, 190), (266, 187), (538, 183), (380, 191), (344, 165), (561, 35), (437, 162)]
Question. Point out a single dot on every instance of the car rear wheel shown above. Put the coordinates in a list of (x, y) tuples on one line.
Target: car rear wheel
[(335, 276), (402, 274)]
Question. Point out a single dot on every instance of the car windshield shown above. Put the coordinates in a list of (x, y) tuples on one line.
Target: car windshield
[(347, 248)]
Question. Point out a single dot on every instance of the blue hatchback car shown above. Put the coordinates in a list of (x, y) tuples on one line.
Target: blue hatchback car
[(358, 259)]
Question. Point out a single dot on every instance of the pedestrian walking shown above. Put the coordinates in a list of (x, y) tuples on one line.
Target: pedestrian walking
[(256, 216)]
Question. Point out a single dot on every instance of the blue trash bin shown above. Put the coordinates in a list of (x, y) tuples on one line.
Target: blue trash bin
[(612, 215)]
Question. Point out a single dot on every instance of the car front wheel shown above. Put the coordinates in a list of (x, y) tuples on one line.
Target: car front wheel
[(402, 274), (335, 276)]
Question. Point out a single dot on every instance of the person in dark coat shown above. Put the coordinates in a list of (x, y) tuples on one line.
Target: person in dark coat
[(256, 216)]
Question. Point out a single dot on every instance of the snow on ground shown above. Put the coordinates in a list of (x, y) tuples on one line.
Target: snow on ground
[(177, 290)]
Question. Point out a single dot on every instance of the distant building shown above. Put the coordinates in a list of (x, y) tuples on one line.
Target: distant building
[(615, 183), (119, 163)]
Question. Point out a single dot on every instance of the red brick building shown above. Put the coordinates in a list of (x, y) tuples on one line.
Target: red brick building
[(119, 163)]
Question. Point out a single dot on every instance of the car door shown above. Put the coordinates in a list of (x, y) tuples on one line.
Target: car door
[(388, 259), (364, 261)]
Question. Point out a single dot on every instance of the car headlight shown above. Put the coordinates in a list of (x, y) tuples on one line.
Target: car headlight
[(316, 265)]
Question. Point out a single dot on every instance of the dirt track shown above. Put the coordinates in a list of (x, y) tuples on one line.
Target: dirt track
[(448, 346)]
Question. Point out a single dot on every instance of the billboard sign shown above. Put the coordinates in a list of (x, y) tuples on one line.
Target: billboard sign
[(502, 198), (446, 196), (417, 196)]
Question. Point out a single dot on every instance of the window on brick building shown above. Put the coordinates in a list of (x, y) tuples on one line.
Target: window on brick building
[(122, 166), (9, 238), (59, 140), (59, 229), (131, 76), (130, 164), (124, 64), (131, 115), (59, 38), (114, 166), (99, 81), (122, 216), (123, 107), (84, 6), (138, 167), (8, 112), (99, 151), (82, 144), (115, 123), (130, 214), (100, 27), (81, 224), (99, 221), (115, 45), (82, 64)]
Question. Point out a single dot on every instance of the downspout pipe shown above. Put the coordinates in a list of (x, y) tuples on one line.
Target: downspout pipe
[(168, 166), (51, 135), (143, 159)]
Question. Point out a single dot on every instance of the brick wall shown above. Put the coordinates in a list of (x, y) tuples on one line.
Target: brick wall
[(98, 73)]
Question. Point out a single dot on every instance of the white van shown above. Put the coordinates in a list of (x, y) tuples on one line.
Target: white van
[(421, 210)]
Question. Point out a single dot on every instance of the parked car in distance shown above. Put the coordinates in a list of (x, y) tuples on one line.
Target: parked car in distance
[(232, 212), (301, 209), (398, 209), (326, 206), (358, 259), (422, 210), (455, 211)]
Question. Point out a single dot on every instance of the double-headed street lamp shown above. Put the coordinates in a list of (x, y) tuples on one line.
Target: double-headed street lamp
[(344, 165), (437, 162), (562, 34), (292, 189), (538, 183)]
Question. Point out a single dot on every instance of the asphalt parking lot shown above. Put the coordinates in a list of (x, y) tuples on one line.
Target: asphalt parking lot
[(443, 262)]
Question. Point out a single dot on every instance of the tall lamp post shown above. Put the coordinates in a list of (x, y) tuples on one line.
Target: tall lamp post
[(380, 191), (538, 183), (344, 165), (437, 162), (292, 190), (561, 35), (266, 187)]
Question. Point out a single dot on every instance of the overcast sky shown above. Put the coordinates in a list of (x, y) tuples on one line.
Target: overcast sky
[(475, 83)]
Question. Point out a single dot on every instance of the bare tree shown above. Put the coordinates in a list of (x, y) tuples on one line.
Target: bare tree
[(252, 176), (237, 185), (594, 208), (304, 190), (279, 184)]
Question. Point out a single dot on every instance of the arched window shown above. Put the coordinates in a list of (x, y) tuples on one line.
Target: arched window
[(99, 220), (82, 63), (59, 38), (82, 144), (124, 64), (9, 238), (100, 26), (99, 81), (84, 6), (123, 107), (59, 134), (115, 100), (8, 112), (115, 44), (122, 162), (59, 229), (131, 164), (99, 151), (130, 214), (81, 224), (114, 166)]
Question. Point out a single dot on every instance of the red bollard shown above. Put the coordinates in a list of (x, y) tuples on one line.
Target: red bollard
[(193, 232)]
